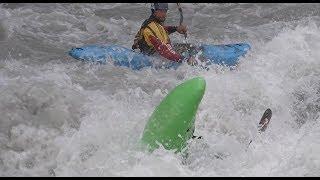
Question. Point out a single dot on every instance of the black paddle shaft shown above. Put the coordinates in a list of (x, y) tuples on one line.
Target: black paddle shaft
[(181, 18)]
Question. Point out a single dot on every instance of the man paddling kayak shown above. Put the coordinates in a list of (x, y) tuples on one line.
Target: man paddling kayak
[(153, 35)]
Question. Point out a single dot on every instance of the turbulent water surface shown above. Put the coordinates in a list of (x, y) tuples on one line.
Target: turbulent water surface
[(63, 117)]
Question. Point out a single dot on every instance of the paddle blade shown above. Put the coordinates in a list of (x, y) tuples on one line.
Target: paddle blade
[(265, 119)]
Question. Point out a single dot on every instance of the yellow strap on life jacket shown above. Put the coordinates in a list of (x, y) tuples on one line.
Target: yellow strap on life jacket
[(157, 30)]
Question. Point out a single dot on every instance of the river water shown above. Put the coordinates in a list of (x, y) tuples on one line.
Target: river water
[(63, 117)]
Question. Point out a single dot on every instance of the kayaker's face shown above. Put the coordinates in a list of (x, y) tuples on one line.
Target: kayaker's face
[(161, 15)]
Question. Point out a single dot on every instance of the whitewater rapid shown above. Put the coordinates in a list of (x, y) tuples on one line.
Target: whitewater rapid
[(63, 117)]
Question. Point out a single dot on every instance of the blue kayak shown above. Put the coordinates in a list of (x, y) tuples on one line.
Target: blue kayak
[(227, 55)]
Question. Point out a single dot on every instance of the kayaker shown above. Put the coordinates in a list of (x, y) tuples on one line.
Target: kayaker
[(153, 35)]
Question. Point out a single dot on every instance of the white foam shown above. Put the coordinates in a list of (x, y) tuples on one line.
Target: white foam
[(61, 117)]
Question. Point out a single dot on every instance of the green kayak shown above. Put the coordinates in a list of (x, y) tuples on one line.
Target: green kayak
[(172, 122)]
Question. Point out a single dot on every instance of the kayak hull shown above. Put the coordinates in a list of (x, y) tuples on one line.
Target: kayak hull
[(173, 120), (227, 55)]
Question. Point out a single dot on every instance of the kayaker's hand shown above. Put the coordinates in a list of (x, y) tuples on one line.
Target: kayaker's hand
[(135, 43), (182, 29), (135, 46), (192, 61)]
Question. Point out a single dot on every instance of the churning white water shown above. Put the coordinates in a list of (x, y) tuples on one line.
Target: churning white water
[(63, 117)]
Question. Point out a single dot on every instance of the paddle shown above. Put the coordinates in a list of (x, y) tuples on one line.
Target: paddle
[(181, 18), (263, 124), (185, 34)]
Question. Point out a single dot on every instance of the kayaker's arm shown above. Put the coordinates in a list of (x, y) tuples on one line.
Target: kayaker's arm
[(182, 29), (170, 29), (165, 50)]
